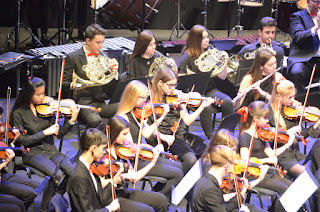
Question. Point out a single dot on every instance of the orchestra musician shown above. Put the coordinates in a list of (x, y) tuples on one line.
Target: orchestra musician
[(289, 160), (134, 199), (265, 63), (304, 47), (87, 191), (267, 32), (257, 114), (196, 43), (43, 154), (185, 144), (94, 96), (133, 97), (143, 56)]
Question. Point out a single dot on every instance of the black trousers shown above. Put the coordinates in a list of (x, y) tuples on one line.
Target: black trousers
[(38, 15)]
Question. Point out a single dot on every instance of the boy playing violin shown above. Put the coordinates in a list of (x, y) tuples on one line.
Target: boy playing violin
[(88, 192)]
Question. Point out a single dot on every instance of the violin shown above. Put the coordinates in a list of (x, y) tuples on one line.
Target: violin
[(4, 146), (267, 133), (129, 151), (49, 107), (253, 168), (102, 169), (311, 114), (158, 107), (228, 184), (10, 133), (192, 101)]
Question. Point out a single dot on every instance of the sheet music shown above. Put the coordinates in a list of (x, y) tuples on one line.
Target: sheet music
[(186, 183), (299, 191)]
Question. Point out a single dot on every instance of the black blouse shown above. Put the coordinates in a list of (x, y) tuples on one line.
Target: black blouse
[(258, 145), (39, 144), (139, 67)]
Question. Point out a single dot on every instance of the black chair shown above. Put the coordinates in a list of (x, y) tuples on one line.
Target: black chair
[(261, 191), (59, 203)]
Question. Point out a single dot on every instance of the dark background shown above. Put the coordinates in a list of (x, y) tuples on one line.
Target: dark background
[(167, 16)]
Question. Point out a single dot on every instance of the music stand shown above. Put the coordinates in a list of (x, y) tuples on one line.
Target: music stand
[(223, 45), (16, 31), (238, 26), (177, 26), (243, 69), (205, 15)]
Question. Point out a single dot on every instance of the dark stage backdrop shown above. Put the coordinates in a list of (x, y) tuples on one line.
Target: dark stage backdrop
[(167, 16)]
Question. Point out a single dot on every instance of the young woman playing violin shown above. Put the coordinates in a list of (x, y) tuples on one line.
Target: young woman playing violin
[(134, 200), (256, 115), (43, 154), (197, 43), (185, 145), (143, 56), (265, 63), (289, 160)]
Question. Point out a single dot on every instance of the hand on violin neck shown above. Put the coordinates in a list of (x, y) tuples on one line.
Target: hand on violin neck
[(10, 155), (74, 113), (53, 130)]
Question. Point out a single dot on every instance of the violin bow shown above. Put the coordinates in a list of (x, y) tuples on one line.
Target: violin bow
[(113, 191), (307, 95), (239, 201), (139, 142), (154, 114), (176, 128), (60, 90), (7, 118), (250, 150), (277, 127)]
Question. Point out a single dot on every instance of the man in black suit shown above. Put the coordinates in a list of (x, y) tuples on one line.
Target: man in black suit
[(304, 48), (87, 191), (95, 95)]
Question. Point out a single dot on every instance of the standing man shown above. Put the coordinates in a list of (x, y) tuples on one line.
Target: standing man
[(304, 48), (97, 94), (267, 31)]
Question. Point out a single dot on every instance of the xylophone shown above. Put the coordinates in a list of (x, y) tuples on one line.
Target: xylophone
[(53, 56)]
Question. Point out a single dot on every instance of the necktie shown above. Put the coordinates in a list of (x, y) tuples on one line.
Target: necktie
[(92, 54)]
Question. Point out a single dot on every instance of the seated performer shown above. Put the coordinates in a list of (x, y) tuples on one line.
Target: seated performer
[(304, 47), (134, 97), (197, 43), (207, 194), (87, 191), (84, 94), (43, 154), (143, 56), (267, 31), (264, 64)]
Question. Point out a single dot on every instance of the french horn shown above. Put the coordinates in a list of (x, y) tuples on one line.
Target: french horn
[(160, 63), (98, 72)]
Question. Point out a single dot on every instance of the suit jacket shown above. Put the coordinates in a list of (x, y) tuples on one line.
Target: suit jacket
[(207, 196), (303, 45), (74, 63), (82, 193)]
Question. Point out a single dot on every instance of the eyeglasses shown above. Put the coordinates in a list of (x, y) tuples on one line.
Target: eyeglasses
[(172, 85)]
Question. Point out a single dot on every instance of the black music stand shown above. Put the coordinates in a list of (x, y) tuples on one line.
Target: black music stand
[(177, 26), (238, 26), (16, 31), (205, 15), (62, 30)]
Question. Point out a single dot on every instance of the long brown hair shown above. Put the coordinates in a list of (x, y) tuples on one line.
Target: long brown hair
[(117, 124), (130, 96), (142, 42), (221, 137), (256, 108), (262, 57), (193, 43), (165, 75), (284, 87)]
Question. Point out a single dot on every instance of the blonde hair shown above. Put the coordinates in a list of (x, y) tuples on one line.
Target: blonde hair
[(165, 75), (221, 137), (283, 88), (220, 155), (130, 96)]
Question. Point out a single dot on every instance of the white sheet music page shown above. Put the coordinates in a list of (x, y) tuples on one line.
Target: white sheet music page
[(186, 183), (299, 191)]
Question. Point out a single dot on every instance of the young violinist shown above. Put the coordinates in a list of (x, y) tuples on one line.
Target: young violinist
[(133, 98), (133, 199), (207, 194), (143, 56), (284, 92), (265, 63), (43, 154), (185, 145), (253, 117), (87, 191), (196, 44)]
